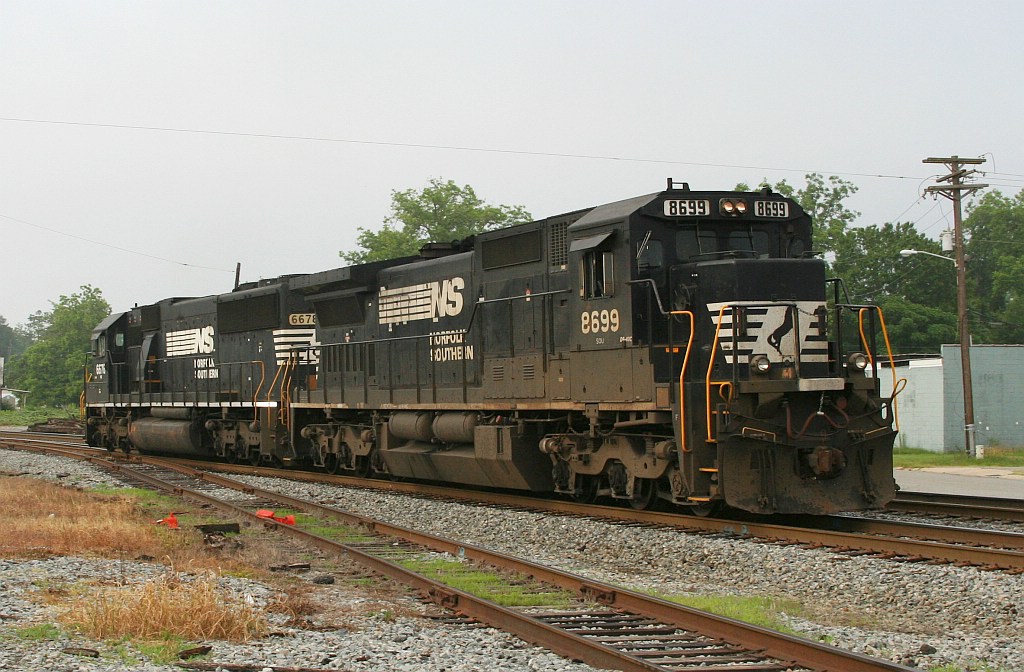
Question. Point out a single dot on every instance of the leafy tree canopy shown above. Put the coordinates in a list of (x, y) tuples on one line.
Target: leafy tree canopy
[(995, 267), (917, 294), (51, 367), (823, 200), (442, 212), (12, 340)]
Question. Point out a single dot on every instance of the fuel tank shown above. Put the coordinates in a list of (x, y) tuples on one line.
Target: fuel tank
[(164, 435)]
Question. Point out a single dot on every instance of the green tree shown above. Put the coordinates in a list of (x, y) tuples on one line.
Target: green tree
[(823, 200), (917, 294), (51, 367), (442, 212), (12, 341), (994, 227)]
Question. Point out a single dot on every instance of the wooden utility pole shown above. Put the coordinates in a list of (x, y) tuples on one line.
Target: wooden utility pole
[(954, 191)]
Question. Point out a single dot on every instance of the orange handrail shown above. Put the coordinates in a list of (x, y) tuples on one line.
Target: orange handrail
[(682, 375), (711, 365), (897, 385)]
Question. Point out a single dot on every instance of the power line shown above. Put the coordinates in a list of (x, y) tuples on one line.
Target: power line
[(458, 148), (113, 247)]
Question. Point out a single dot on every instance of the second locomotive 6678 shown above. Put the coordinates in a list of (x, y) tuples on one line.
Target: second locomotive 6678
[(681, 346)]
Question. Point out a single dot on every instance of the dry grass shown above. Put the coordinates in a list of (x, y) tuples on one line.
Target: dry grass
[(297, 604), (43, 519), (196, 609)]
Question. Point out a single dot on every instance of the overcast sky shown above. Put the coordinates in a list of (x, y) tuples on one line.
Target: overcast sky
[(561, 105)]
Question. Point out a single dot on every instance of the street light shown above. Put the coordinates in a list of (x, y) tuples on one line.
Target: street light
[(965, 343), (907, 253)]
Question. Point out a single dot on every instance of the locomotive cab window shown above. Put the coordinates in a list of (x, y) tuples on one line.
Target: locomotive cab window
[(748, 241), (650, 258), (597, 274)]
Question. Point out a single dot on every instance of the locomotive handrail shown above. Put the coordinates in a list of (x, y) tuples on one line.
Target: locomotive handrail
[(711, 366), (657, 297), (273, 383), (682, 379), (527, 297), (897, 388), (256, 394), (284, 392), (205, 390), (714, 350), (81, 397), (469, 326)]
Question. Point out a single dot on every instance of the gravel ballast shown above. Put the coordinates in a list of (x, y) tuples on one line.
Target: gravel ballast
[(918, 614)]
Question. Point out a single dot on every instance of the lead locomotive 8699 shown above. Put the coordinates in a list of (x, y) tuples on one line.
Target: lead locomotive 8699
[(677, 346)]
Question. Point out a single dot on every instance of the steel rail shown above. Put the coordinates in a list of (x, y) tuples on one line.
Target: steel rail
[(996, 508), (893, 539), (1001, 550), (794, 650)]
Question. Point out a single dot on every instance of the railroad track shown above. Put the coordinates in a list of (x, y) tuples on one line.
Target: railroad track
[(891, 540), (895, 540), (928, 503), (606, 626), (959, 506)]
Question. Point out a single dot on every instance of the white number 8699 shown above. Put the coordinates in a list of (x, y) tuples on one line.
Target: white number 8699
[(599, 321)]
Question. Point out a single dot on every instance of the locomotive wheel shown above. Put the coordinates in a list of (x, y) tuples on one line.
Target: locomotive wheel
[(231, 456), (706, 510), (645, 494), (254, 459), (331, 463)]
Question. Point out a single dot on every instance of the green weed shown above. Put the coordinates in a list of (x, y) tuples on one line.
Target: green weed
[(504, 590), (39, 633), (995, 456), (763, 611)]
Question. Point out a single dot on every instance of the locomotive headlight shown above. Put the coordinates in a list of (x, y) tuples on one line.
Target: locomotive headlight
[(858, 361), (732, 207), (759, 364)]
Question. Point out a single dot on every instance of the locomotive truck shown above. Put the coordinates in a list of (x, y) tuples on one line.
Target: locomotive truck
[(682, 346)]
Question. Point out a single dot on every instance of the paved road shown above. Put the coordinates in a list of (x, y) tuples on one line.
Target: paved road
[(979, 481)]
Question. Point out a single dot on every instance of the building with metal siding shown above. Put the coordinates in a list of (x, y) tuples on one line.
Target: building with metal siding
[(931, 408), (997, 372)]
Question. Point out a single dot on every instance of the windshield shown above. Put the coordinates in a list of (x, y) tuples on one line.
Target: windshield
[(699, 241)]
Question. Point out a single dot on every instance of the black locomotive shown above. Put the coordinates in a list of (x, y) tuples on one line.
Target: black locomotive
[(682, 346)]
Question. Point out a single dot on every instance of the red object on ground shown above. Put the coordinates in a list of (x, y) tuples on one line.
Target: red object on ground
[(171, 521), (266, 513)]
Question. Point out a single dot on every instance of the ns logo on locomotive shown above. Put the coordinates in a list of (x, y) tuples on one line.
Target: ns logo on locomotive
[(682, 346)]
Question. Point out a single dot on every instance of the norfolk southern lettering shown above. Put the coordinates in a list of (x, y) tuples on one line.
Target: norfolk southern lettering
[(449, 346)]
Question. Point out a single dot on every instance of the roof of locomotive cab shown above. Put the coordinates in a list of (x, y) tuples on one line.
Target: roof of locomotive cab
[(616, 211), (106, 323), (620, 210)]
